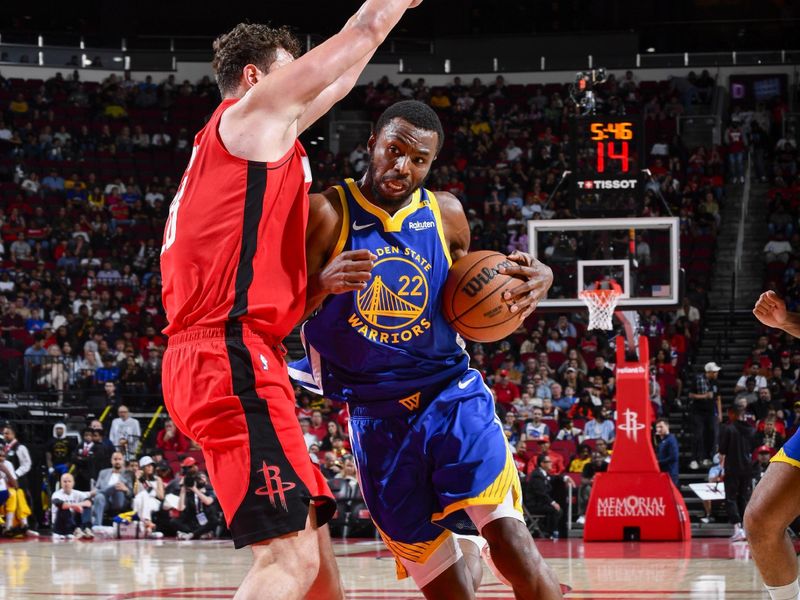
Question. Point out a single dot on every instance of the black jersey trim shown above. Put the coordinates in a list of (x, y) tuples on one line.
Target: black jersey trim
[(253, 212)]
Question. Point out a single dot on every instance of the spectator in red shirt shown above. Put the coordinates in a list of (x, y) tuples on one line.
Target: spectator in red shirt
[(318, 427), (505, 391), (544, 449), (149, 337), (170, 439), (343, 419), (737, 146), (760, 358), (584, 408), (304, 410)]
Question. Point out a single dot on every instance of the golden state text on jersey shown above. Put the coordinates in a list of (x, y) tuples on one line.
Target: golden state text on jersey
[(390, 337), (391, 309)]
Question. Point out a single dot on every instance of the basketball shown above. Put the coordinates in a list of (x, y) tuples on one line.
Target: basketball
[(472, 298)]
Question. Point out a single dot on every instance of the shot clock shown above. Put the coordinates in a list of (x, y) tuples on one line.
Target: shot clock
[(613, 144), (607, 154)]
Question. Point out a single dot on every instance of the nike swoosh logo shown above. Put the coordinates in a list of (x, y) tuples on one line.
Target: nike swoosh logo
[(357, 227), (462, 385)]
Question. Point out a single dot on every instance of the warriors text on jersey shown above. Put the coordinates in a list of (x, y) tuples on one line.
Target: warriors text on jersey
[(390, 338)]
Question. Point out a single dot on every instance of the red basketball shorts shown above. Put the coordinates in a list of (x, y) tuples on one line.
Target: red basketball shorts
[(228, 390)]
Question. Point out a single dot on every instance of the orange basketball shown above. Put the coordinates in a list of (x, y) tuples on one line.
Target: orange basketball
[(472, 298)]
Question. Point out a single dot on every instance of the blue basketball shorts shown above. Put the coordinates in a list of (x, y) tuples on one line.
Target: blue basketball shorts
[(423, 465), (790, 453)]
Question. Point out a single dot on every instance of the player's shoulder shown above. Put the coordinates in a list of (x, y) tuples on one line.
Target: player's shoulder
[(447, 200), (326, 211), (326, 201), (450, 206)]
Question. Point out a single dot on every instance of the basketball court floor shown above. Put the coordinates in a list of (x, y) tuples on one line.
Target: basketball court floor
[(706, 569)]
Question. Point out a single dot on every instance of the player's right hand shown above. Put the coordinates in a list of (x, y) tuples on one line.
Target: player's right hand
[(348, 272), (771, 310)]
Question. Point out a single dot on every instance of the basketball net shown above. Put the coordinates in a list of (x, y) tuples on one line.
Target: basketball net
[(601, 303)]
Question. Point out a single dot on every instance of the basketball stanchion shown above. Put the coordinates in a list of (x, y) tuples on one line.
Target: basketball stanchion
[(633, 500)]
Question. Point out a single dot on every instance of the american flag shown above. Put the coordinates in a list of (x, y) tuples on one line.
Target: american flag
[(661, 291)]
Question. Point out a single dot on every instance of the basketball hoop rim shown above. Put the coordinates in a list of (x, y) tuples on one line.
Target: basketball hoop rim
[(601, 304), (614, 291), (599, 293)]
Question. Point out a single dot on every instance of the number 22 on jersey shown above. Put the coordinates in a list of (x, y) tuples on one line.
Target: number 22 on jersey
[(171, 228)]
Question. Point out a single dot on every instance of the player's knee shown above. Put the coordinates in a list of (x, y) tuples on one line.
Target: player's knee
[(761, 520), (511, 545), (296, 557)]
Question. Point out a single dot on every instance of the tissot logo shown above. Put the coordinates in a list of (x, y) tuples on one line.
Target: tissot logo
[(421, 225), (608, 184)]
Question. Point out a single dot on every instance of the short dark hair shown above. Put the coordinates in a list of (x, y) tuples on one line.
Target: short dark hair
[(245, 44), (417, 113), (662, 420)]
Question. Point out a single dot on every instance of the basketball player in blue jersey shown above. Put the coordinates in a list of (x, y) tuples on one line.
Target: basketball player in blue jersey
[(775, 502), (431, 455)]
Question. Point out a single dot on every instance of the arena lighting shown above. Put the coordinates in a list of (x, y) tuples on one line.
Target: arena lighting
[(651, 49)]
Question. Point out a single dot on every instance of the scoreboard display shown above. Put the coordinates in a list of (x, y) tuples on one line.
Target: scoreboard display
[(607, 155)]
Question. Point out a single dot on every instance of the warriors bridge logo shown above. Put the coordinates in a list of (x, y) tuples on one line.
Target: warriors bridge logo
[(390, 310)]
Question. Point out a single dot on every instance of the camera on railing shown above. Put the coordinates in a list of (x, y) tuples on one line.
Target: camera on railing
[(582, 89)]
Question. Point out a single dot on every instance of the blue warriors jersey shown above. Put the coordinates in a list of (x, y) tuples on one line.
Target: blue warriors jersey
[(390, 339), (426, 441)]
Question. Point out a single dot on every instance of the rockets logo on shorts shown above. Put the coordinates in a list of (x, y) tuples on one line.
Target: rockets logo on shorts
[(274, 486)]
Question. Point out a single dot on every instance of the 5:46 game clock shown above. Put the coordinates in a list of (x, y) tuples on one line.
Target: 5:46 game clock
[(606, 155)]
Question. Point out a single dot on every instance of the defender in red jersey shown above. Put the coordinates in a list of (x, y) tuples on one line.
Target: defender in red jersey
[(234, 284)]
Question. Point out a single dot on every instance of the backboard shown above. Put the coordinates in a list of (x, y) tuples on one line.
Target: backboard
[(641, 254)]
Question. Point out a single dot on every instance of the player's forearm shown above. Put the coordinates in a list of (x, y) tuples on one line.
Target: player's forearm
[(315, 295), (332, 94), (792, 324), (378, 17), (292, 89)]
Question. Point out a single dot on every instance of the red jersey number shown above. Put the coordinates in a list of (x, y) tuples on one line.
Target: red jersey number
[(171, 229)]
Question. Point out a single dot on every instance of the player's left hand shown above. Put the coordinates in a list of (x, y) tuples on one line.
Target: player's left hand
[(537, 279)]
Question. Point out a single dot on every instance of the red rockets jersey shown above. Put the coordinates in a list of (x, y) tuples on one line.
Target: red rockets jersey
[(234, 242)]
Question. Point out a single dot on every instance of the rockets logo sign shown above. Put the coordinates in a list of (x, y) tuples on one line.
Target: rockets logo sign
[(631, 425), (274, 487)]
